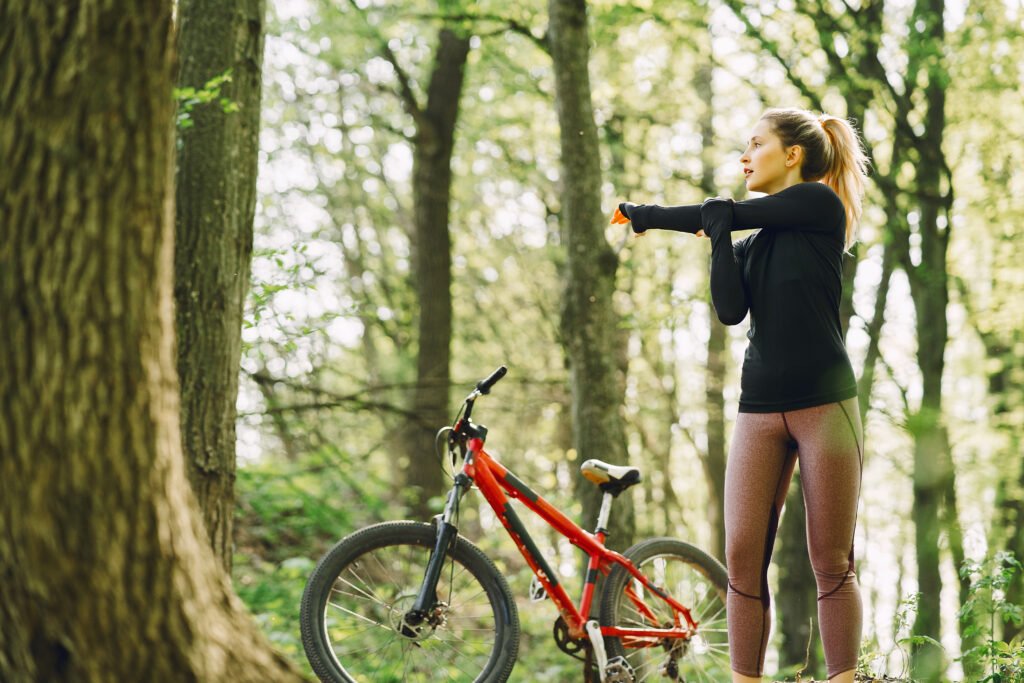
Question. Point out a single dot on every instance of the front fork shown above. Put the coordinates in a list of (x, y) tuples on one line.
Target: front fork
[(446, 533)]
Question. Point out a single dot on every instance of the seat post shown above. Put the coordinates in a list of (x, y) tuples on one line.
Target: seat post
[(602, 516)]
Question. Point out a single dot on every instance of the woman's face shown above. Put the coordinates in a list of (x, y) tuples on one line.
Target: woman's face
[(765, 160)]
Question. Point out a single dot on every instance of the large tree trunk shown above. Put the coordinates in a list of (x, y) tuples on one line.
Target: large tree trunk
[(107, 573), (432, 177), (590, 326), (216, 200)]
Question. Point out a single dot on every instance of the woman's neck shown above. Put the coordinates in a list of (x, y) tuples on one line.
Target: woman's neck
[(791, 178)]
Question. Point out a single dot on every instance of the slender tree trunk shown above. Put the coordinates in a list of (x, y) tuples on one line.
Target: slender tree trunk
[(1011, 513), (107, 571), (714, 459), (216, 201), (1008, 524), (796, 602), (590, 326), (432, 178), (866, 382), (933, 471)]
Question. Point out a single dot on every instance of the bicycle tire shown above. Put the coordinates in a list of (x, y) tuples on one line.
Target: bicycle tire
[(691, 577), (370, 578)]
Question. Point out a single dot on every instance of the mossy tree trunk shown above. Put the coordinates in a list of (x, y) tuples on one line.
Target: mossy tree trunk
[(215, 204), (432, 180), (590, 327), (107, 573)]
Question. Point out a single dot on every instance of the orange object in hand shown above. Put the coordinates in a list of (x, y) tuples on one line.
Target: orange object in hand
[(619, 218)]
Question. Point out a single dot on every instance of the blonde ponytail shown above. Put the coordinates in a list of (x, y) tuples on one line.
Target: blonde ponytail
[(833, 154), (848, 170)]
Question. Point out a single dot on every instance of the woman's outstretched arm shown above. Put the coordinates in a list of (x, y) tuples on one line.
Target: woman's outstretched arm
[(805, 206)]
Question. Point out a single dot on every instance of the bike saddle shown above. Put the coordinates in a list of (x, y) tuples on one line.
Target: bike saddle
[(613, 479)]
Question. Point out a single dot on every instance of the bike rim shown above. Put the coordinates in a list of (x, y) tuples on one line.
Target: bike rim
[(702, 658), (363, 620)]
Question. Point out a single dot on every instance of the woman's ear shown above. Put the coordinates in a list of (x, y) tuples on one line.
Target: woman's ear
[(794, 155)]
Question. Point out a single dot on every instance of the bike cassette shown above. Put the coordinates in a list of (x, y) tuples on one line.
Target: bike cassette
[(618, 670)]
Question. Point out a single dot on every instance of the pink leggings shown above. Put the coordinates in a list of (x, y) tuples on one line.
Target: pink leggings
[(764, 451)]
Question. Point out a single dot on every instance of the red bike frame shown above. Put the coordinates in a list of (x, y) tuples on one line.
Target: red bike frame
[(498, 485)]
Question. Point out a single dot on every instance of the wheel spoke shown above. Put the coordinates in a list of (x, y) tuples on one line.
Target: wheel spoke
[(686, 575), (372, 587)]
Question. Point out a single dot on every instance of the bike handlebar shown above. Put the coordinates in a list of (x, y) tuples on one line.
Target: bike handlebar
[(484, 385)]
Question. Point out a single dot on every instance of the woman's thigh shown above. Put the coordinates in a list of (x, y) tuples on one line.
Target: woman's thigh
[(757, 477), (831, 463)]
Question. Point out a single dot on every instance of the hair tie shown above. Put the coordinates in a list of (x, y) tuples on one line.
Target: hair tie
[(828, 133)]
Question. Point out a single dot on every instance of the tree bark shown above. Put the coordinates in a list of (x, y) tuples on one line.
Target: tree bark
[(432, 178), (866, 382), (590, 330), (933, 471), (215, 203), (714, 459), (108, 575), (795, 603)]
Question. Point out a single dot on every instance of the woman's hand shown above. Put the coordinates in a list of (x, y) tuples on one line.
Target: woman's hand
[(621, 215)]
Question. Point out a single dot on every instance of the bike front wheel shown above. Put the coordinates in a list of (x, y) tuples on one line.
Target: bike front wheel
[(691, 577), (355, 603)]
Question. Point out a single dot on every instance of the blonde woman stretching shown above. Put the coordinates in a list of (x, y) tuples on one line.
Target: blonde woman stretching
[(798, 392)]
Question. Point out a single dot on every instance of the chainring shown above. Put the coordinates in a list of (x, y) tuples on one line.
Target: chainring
[(567, 644)]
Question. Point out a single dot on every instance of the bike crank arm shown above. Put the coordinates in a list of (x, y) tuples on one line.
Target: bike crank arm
[(614, 670)]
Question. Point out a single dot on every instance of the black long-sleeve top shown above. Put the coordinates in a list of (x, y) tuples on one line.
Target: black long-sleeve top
[(788, 274)]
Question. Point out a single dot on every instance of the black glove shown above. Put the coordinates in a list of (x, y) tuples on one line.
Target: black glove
[(626, 208)]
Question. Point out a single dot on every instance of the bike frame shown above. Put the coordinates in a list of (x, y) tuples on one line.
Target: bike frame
[(498, 485)]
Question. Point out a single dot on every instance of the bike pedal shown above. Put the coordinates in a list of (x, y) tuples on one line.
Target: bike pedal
[(537, 591), (618, 670)]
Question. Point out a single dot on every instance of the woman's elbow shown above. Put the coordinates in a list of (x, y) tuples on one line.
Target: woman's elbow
[(731, 316)]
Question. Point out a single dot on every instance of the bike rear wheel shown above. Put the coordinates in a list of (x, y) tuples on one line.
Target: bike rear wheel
[(354, 603), (694, 579)]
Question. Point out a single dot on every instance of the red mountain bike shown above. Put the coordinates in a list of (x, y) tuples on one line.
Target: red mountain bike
[(405, 601)]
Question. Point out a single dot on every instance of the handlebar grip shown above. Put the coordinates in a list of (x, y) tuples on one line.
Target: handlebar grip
[(484, 385)]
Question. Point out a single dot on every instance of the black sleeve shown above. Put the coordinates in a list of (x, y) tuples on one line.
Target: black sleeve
[(684, 218), (809, 206), (727, 291)]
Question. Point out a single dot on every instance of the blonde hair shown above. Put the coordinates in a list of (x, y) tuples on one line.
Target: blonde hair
[(833, 154)]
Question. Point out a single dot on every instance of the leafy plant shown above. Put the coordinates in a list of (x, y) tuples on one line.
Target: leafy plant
[(873, 663), (985, 606), (190, 98)]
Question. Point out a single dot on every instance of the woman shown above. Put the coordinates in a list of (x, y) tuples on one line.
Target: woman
[(798, 398)]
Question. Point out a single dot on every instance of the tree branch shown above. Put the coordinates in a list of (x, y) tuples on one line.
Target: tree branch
[(406, 93), (510, 25)]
